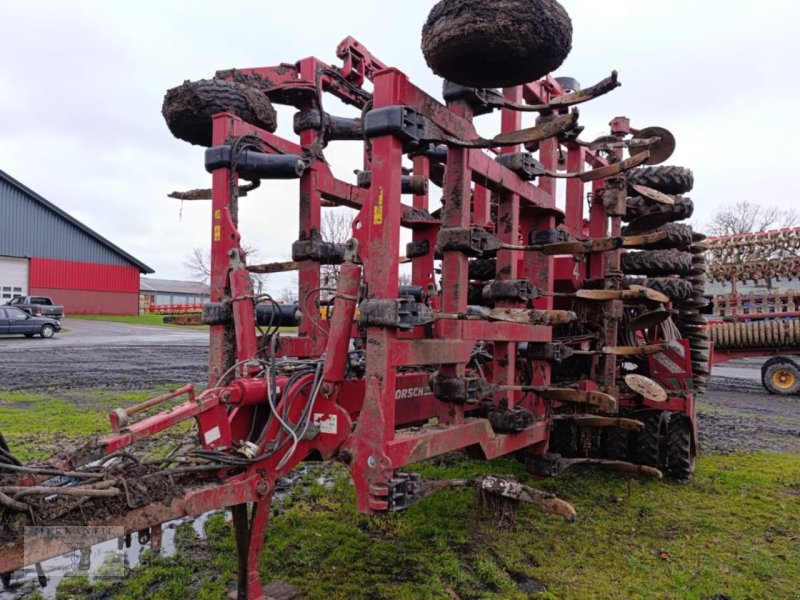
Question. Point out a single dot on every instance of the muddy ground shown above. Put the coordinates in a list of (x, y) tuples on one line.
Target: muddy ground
[(736, 414)]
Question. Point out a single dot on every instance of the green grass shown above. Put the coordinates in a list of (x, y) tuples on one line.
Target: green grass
[(157, 320), (733, 531), (36, 426), (147, 319)]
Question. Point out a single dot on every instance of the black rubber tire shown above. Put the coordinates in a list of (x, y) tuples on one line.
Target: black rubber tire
[(669, 180), (772, 367), (768, 363), (496, 44), (679, 235), (647, 449), (47, 331), (637, 206), (680, 451), (188, 108), (656, 263), (616, 444), (482, 269), (674, 288)]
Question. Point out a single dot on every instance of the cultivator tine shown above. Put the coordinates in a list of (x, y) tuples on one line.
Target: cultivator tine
[(513, 490), (655, 195), (605, 402), (646, 293), (601, 88), (532, 316), (635, 292), (650, 221), (640, 241), (530, 135), (539, 133), (627, 350), (647, 320), (614, 465), (615, 168)]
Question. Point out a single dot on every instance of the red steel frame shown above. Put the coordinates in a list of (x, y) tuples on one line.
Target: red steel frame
[(369, 418)]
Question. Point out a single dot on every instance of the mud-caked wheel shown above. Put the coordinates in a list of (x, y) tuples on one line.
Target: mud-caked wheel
[(188, 108), (616, 444), (496, 44), (781, 376), (647, 450), (680, 451), (669, 180)]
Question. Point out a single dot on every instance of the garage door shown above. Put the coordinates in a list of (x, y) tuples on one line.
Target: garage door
[(13, 278)]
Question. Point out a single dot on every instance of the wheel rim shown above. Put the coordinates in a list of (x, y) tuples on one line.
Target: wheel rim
[(783, 379)]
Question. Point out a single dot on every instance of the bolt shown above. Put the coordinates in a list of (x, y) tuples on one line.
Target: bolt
[(262, 487), (372, 461), (326, 389)]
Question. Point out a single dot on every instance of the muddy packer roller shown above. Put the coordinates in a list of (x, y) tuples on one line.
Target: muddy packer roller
[(563, 337)]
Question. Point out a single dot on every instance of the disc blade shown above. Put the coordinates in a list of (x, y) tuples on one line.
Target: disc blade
[(646, 387), (659, 151)]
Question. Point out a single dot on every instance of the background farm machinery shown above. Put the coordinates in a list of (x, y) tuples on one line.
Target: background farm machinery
[(762, 322), (556, 323)]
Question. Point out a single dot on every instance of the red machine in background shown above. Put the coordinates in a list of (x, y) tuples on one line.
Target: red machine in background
[(540, 338), (762, 322)]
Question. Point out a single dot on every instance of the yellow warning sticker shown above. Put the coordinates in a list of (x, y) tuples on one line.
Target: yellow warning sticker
[(217, 214), (377, 211), (217, 233)]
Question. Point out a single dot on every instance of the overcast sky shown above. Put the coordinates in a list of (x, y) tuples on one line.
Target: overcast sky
[(81, 86)]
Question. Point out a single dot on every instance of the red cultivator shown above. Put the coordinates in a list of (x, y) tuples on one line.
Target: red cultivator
[(521, 346)]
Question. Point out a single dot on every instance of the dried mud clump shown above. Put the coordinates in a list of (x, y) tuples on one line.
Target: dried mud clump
[(497, 43)]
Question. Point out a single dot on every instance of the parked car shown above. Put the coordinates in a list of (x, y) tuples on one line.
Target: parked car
[(14, 320), (37, 306)]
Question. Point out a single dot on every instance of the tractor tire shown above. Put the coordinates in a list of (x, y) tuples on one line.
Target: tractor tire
[(656, 263), (668, 180), (188, 108), (679, 235), (674, 288), (781, 376), (638, 206), (680, 451), (496, 44), (483, 269), (616, 444), (647, 450)]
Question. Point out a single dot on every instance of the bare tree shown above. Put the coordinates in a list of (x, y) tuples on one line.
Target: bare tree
[(337, 228), (289, 293), (404, 279), (746, 217), (198, 264)]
